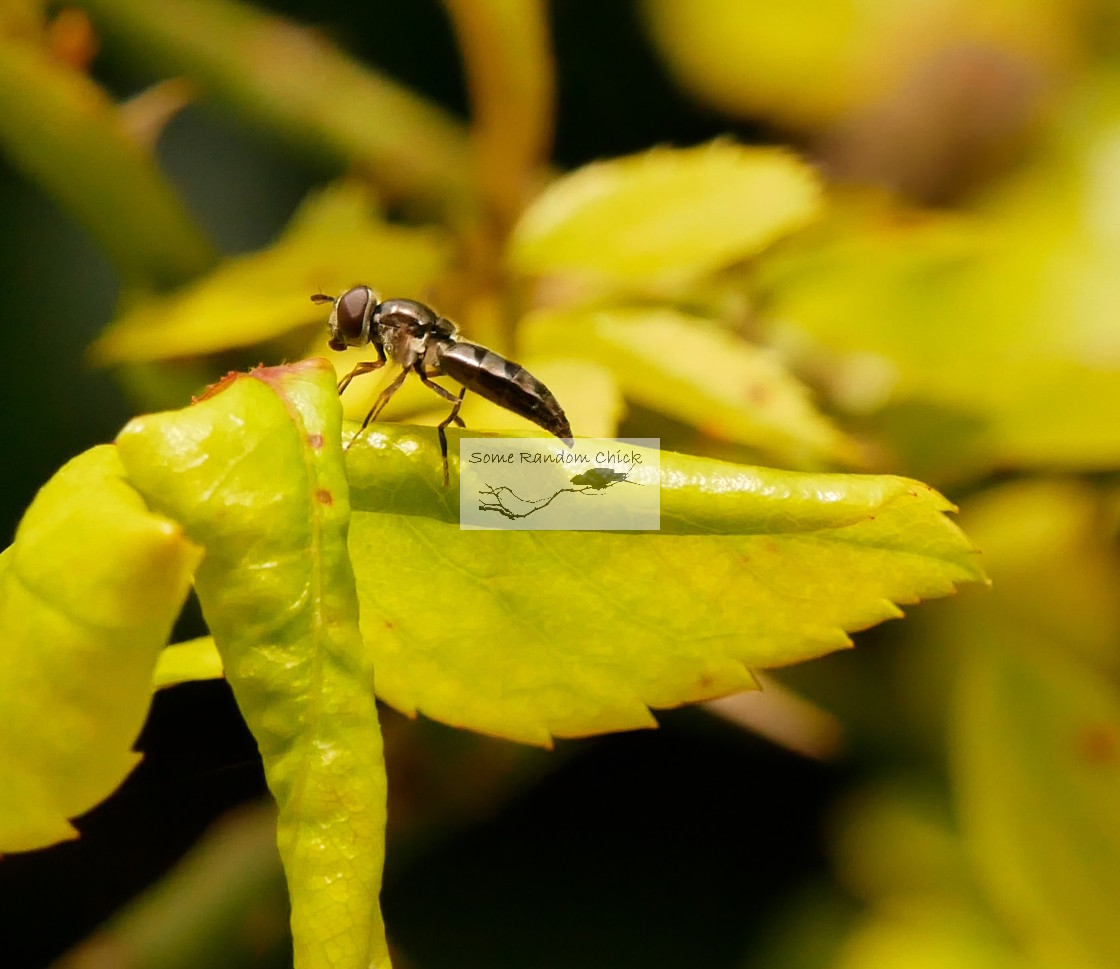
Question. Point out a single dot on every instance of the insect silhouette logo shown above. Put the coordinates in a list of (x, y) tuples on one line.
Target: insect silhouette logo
[(532, 484)]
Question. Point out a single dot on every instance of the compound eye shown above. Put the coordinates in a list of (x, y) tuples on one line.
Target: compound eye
[(353, 314), (350, 318)]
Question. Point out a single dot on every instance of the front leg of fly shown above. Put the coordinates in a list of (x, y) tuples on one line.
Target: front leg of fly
[(366, 366)]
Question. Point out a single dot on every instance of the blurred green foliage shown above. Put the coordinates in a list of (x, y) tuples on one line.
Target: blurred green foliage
[(939, 299)]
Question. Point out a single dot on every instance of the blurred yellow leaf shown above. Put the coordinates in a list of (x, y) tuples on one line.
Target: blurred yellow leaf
[(977, 342), (897, 838), (333, 242), (696, 371), (1050, 545), (811, 61), (196, 659), (664, 216), (1036, 758), (932, 932)]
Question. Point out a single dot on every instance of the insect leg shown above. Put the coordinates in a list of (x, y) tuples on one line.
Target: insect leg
[(453, 416), (383, 399), (428, 382), (366, 366)]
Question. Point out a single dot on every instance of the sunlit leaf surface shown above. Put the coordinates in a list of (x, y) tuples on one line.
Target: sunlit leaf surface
[(254, 472), (531, 635), (88, 593), (665, 215)]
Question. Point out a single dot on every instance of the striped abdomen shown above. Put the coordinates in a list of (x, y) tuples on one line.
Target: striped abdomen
[(506, 384)]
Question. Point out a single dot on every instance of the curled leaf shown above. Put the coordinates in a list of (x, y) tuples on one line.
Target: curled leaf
[(254, 472)]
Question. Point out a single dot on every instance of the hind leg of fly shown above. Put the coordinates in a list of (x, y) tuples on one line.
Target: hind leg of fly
[(440, 429), (453, 417)]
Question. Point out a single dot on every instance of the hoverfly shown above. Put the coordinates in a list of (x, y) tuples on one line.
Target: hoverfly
[(421, 341)]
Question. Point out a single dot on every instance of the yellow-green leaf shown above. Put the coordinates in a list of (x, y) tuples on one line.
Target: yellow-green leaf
[(930, 931), (254, 472), (88, 593), (333, 242), (980, 341), (896, 837), (693, 369), (1036, 753), (531, 635), (1049, 544), (196, 659), (664, 216)]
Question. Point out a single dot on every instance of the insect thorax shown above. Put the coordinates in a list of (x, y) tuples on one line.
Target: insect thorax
[(411, 332)]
